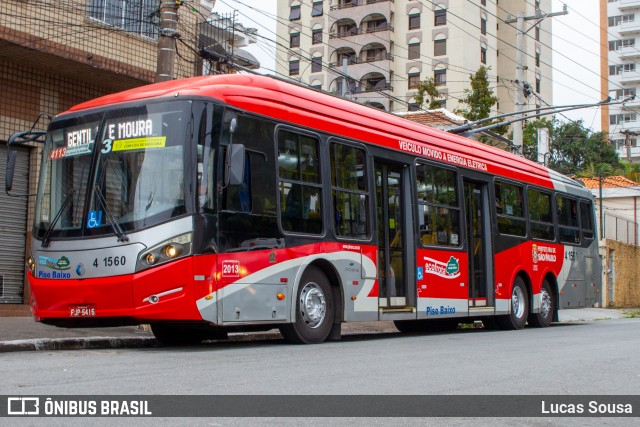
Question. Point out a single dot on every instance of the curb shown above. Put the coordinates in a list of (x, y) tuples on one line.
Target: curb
[(88, 343)]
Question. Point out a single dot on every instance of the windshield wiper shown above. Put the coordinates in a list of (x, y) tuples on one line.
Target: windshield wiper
[(122, 237), (47, 235)]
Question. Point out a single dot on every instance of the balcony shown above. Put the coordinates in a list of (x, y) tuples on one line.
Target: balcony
[(634, 151), (632, 125), (629, 52), (629, 4), (347, 5), (353, 61), (629, 77), (629, 28), (360, 31)]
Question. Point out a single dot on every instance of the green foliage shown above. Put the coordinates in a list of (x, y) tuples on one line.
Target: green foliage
[(428, 92), (629, 170), (574, 149), (479, 98)]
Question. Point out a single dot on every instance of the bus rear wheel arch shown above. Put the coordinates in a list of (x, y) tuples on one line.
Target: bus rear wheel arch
[(519, 306), (548, 307), (315, 309)]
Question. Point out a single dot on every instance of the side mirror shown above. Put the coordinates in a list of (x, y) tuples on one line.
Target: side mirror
[(11, 167), (235, 164)]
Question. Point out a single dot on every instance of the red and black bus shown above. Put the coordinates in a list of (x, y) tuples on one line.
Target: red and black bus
[(239, 202)]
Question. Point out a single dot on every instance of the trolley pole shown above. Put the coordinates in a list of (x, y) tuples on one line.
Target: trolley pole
[(521, 66), (168, 34)]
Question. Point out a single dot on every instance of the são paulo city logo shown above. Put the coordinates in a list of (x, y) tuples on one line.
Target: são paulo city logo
[(448, 270)]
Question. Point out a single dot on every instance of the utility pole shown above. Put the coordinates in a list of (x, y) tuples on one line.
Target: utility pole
[(627, 142), (521, 67), (168, 33)]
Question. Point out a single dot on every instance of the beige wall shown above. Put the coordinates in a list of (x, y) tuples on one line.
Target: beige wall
[(623, 276)]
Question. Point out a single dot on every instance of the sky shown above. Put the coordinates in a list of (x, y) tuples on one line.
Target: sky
[(575, 43)]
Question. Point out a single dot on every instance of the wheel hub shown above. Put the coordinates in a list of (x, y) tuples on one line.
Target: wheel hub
[(313, 306), (517, 302)]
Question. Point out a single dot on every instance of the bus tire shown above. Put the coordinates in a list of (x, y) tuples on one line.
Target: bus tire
[(172, 335), (314, 310), (547, 308), (517, 318)]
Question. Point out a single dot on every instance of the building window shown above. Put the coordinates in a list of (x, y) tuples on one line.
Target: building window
[(414, 80), (316, 64), (483, 55), (483, 25), (483, 2), (537, 59), (615, 70), (317, 8), (414, 51), (316, 36), (440, 47), (537, 85), (629, 68), (294, 68), (440, 17), (294, 40), (412, 106), (537, 33), (414, 21), (616, 119), (294, 15), (622, 93), (440, 77), (134, 17)]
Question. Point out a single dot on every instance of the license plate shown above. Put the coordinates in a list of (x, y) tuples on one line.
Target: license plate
[(82, 310)]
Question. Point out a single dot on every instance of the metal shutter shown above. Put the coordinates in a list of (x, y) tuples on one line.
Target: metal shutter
[(13, 227)]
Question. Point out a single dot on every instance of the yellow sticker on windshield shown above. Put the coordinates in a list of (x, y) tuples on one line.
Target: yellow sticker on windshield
[(139, 143)]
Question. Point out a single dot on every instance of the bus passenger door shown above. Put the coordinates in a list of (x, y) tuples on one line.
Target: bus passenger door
[(393, 246), (478, 233)]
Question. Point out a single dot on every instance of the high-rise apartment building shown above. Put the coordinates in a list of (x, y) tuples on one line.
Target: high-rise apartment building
[(378, 51), (620, 23)]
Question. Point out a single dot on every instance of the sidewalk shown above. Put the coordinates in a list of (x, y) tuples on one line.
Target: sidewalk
[(24, 334)]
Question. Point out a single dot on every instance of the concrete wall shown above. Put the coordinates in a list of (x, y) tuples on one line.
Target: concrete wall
[(621, 274)]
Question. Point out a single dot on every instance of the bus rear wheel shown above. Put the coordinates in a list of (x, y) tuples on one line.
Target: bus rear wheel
[(517, 318), (314, 310), (547, 308)]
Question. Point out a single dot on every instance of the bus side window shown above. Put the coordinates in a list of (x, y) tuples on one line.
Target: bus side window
[(586, 217), (299, 183), (438, 206), (567, 211)]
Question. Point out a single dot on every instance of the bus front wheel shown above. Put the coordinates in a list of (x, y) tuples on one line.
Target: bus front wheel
[(547, 308), (314, 310), (517, 318)]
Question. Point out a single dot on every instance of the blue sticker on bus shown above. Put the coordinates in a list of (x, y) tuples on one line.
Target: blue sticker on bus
[(419, 273), (95, 219)]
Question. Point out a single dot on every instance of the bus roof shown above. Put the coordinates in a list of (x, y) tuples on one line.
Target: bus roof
[(312, 109)]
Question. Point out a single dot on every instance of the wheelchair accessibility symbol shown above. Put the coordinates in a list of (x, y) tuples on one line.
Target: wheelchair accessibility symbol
[(95, 219), (419, 273)]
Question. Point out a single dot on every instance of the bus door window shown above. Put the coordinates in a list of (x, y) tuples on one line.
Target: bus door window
[(476, 205), (391, 244)]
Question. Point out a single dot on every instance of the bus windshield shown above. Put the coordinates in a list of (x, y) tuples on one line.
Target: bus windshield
[(113, 172)]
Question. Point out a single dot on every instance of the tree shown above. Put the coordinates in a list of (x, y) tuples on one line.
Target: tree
[(530, 136), (479, 98), (574, 150), (629, 170), (428, 91)]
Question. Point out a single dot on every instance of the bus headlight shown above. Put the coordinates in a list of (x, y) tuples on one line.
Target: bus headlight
[(166, 251), (31, 264)]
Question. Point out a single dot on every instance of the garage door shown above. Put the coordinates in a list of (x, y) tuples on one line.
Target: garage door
[(13, 227)]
